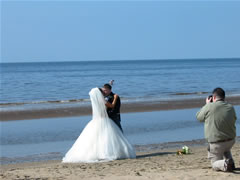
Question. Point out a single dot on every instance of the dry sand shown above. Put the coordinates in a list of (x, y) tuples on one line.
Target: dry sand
[(158, 164)]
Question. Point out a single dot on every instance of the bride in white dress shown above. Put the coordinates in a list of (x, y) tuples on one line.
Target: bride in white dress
[(101, 139)]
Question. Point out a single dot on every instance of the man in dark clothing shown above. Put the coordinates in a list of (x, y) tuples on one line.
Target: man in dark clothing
[(113, 105)]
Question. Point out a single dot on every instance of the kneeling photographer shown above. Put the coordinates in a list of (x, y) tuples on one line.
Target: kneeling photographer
[(219, 119)]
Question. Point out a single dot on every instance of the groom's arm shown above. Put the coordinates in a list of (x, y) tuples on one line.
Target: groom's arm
[(113, 104)]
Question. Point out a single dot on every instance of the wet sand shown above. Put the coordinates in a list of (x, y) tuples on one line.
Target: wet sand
[(126, 108), (158, 163)]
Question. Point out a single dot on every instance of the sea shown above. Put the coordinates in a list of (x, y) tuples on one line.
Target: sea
[(63, 84)]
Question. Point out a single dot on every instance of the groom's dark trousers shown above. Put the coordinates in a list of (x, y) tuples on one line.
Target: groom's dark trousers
[(117, 120)]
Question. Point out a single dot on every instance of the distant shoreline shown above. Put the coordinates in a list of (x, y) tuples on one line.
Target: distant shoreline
[(126, 108), (123, 60)]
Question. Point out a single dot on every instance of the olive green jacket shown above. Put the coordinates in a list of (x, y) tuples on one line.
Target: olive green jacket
[(220, 119)]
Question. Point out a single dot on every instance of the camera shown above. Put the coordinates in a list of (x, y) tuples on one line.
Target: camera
[(209, 97)]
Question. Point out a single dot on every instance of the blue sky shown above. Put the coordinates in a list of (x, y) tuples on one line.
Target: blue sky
[(118, 30)]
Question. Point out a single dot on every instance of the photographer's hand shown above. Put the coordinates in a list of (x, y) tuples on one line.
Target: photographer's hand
[(208, 100)]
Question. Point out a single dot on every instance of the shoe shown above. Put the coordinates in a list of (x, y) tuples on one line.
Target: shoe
[(229, 165), (233, 166)]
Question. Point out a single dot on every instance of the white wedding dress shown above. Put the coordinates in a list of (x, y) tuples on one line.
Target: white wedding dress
[(101, 139)]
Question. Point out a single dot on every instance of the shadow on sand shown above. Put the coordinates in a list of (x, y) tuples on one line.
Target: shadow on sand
[(154, 154)]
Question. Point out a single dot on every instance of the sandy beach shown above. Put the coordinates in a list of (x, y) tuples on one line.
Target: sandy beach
[(125, 108), (154, 164)]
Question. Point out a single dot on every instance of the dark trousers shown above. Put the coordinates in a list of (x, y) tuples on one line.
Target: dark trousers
[(117, 120)]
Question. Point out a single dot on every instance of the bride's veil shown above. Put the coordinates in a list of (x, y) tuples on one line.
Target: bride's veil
[(98, 104)]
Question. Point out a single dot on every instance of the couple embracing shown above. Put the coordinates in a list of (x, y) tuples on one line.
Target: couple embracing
[(102, 139)]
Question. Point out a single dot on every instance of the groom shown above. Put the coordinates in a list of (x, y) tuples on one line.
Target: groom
[(113, 105)]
